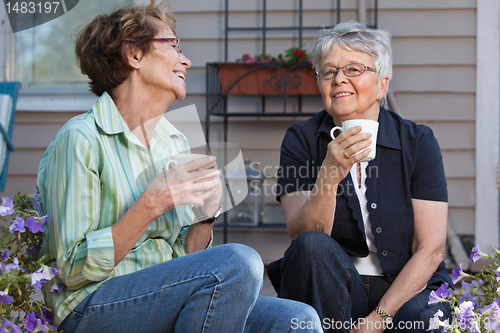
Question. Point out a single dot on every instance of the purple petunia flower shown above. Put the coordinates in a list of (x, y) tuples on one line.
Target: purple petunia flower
[(475, 327), (9, 268), (5, 254), (47, 315), (14, 266), (36, 200), (466, 314), (498, 274), (9, 327), (492, 308), (466, 297), (467, 287), (7, 207), (5, 298), (17, 225), (34, 252), (476, 254), (57, 287), (41, 276), (493, 313), (33, 324), (458, 274), (31, 321), (34, 225), (434, 322), (440, 295)]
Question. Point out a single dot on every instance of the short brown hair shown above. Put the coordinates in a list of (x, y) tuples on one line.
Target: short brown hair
[(102, 44)]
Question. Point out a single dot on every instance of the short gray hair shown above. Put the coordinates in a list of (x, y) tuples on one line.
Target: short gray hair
[(355, 36)]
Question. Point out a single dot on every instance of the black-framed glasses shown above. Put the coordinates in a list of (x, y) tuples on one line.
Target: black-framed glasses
[(174, 41), (351, 70)]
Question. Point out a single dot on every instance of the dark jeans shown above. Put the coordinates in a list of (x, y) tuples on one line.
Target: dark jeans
[(317, 271)]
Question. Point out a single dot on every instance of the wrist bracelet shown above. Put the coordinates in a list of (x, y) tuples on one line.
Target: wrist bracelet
[(386, 318)]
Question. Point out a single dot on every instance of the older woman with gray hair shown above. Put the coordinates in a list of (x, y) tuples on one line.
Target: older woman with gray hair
[(368, 236)]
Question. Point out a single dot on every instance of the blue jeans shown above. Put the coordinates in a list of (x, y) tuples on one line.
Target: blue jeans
[(214, 290), (317, 271)]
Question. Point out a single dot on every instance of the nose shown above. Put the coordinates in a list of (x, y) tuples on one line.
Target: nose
[(340, 77), (184, 60)]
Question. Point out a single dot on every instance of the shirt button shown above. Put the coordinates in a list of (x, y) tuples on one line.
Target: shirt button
[(384, 253), (373, 205), (378, 230)]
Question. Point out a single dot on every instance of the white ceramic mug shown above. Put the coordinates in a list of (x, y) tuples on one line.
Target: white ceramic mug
[(177, 159), (370, 126)]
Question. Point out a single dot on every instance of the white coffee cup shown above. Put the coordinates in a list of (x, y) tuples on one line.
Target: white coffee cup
[(177, 159), (369, 126)]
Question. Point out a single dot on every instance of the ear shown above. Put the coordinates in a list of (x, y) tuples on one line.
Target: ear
[(382, 87), (134, 56)]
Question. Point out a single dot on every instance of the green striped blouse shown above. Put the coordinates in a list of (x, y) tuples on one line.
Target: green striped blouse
[(92, 172)]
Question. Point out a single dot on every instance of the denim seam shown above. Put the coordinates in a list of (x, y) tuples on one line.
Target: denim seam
[(348, 276), (210, 306), (346, 297), (150, 293)]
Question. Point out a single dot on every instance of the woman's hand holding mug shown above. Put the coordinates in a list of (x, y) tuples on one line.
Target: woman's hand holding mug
[(367, 126), (354, 144), (194, 181)]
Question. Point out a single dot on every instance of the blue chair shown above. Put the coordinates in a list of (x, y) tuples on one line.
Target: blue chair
[(7, 113)]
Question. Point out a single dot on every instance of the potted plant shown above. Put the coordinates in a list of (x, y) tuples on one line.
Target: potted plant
[(290, 74)]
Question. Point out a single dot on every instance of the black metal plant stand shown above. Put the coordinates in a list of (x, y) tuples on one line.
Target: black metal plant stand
[(217, 100)]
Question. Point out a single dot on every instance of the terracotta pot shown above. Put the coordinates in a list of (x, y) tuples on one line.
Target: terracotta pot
[(267, 80)]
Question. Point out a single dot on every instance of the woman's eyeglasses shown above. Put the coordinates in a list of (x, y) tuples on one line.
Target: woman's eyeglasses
[(175, 42), (351, 70)]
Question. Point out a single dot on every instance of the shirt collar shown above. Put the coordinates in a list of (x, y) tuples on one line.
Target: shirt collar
[(388, 129), (109, 119), (107, 116)]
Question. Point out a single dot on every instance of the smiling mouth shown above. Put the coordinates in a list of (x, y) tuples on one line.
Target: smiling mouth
[(342, 94), (181, 75)]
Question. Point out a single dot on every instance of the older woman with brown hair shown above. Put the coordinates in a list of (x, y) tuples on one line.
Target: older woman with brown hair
[(131, 259), (368, 236)]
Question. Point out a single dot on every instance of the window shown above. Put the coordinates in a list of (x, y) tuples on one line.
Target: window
[(45, 54)]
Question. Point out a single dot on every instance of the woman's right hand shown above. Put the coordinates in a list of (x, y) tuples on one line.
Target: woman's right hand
[(342, 154), (189, 183)]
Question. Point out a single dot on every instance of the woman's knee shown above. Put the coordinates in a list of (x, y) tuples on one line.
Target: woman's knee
[(242, 260), (315, 246), (283, 315)]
